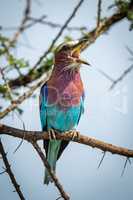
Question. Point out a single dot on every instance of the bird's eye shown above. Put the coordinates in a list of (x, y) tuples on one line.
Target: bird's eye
[(62, 47), (65, 47)]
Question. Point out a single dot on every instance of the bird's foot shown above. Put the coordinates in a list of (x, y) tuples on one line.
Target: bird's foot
[(74, 134), (52, 134)]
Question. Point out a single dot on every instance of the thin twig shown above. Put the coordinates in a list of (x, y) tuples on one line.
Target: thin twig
[(58, 198), (3, 172), (129, 50), (122, 76), (21, 142), (99, 12), (55, 25), (6, 47), (19, 145), (129, 161), (31, 136), (6, 84), (19, 117), (104, 74), (21, 98), (105, 25), (124, 168), (23, 22), (101, 159), (30, 92), (41, 20), (59, 34), (10, 173), (34, 22), (53, 176)]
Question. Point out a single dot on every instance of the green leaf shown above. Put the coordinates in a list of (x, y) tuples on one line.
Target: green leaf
[(11, 60), (130, 15), (122, 5), (2, 51), (3, 89), (68, 38), (3, 39), (21, 63), (47, 63)]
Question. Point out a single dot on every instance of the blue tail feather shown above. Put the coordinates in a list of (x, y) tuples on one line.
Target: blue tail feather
[(52, 155)]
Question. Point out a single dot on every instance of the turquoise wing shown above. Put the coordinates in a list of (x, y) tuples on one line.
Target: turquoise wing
[(43, 110)]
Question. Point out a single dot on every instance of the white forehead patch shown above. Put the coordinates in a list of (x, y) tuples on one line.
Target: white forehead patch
[(70, 43)]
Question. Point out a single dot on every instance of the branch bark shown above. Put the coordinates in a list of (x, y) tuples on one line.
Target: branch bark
[(21, 98), (99, 12), (22, 25), (103, 27), (53, 176), (91, 36), (58, 34), (33, 136), (121, 77), (10, 173)]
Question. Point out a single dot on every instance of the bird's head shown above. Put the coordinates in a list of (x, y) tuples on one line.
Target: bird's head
[(67, 55)]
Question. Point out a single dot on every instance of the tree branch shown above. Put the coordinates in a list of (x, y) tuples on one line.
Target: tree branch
[(99, 12), (21, 98), (10, 173), (104, 26), (121, 77), (22, 25), (59, 34), (32, 136), (6, 84), (53, 176), (41, 20), (53, 24)]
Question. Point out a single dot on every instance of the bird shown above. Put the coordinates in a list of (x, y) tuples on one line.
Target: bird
[(62, 99)]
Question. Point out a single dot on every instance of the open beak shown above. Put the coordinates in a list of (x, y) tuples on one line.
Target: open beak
[(76, 50)]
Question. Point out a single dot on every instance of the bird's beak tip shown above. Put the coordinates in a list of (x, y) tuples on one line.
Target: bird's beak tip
[(84, 62)]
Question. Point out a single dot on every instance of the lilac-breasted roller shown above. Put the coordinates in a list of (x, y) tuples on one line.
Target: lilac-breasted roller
[(62, 99)]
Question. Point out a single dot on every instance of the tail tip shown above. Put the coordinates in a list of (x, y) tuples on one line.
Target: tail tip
[(47, 180)]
